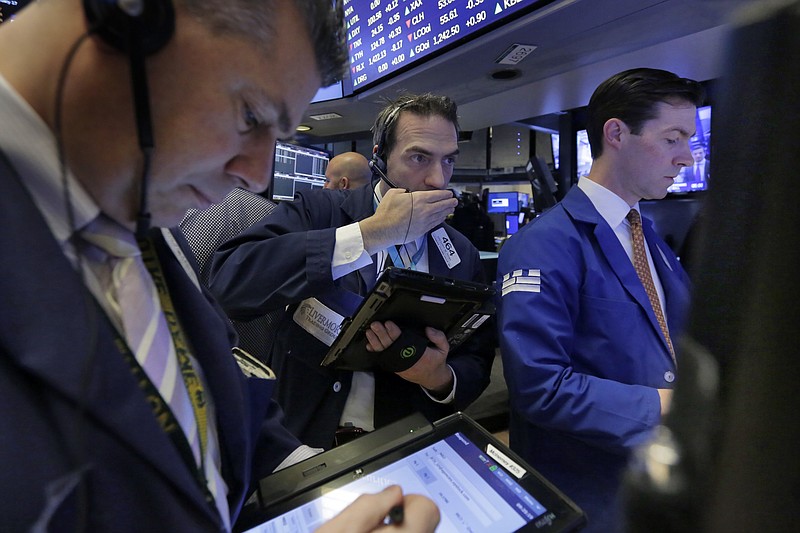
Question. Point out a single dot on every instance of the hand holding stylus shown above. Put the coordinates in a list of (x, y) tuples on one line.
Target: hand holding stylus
[(379, 511)]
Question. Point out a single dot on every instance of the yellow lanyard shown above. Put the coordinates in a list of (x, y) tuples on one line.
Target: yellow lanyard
[(190, 377)]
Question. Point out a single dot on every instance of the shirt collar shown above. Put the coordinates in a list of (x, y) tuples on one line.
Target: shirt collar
[(611, 207), (31, 147)]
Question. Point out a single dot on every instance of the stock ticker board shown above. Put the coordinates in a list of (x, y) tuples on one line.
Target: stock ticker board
[(383, 36)]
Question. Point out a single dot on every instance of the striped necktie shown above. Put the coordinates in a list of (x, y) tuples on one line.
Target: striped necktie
[(642, 267), (132, 296), (407, 252), (406, 255)]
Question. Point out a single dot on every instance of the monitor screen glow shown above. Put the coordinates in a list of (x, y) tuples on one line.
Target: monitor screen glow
[(695, 178), (386, 36), (584, 152), (503, 202), (297, 168), (331, 92), (555, 138)]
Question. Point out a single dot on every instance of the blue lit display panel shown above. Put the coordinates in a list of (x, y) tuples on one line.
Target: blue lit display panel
[(384, 36)]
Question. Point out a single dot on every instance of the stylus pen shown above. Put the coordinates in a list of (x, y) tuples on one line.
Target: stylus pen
[(395, 516)]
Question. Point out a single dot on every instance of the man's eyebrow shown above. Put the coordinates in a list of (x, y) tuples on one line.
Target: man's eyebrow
[(681, 131), (425, 151), (265, 107)]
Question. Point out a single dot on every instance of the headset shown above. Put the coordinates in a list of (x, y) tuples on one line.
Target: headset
[(377, 163), (138, 28)]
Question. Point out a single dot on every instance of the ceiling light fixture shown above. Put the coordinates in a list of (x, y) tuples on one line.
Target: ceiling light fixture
[(325, 116)]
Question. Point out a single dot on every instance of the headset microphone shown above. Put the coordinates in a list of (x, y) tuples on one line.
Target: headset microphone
[(376, 169), (144, 127)]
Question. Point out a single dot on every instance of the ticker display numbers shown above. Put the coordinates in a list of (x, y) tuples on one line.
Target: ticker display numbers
[(386, 35)]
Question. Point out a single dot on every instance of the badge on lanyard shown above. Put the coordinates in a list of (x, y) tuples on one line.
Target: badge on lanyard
[(446, 247), (319, 320)]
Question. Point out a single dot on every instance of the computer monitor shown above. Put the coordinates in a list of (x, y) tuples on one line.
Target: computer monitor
[(555, 139), (297, 168), (695, 178), (513, 222), (503, 202), (331, 92), (385, 38), (9, 8), (584, 153)]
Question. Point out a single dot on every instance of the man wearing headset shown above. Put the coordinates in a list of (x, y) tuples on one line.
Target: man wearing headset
[(325, 250), (90, 440)]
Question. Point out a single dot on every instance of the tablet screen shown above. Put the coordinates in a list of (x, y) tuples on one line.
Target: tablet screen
[(471, 490)]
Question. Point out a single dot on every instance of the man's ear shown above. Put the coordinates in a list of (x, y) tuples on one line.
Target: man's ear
[(344, 182), (613, 131)]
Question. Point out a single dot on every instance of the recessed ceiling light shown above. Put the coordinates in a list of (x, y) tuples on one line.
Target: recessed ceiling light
[(325, 116), (303, 127)]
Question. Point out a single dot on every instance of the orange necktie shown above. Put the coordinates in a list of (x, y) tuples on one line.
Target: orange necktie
[(643, 270)]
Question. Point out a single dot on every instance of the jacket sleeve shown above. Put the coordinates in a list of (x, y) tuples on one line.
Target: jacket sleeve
[(556, 354), (278, 261)]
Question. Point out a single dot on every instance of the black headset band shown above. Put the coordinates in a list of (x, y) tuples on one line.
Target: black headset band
[(150, 22)]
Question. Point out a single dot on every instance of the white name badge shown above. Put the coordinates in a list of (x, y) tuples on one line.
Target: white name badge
[(319, 320), (446, 247)]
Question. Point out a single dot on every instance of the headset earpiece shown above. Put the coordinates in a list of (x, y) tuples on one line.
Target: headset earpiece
[(377, 164), (115, 21)]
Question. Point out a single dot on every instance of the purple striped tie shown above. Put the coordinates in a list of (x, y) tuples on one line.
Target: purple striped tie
[(132, 294)]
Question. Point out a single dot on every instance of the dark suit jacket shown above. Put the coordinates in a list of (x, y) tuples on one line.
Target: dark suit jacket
[(687, 173), (76, 435), (285, 259)]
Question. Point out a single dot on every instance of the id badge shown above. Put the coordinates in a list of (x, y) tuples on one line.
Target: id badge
[(446, 248), (319, 320)]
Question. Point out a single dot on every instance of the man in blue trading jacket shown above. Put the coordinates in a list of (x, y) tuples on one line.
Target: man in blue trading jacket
[(588, 360), (324, 251), (121, 406)]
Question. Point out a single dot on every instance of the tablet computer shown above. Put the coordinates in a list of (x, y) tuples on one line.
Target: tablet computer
[(475, 480), (413, 300)]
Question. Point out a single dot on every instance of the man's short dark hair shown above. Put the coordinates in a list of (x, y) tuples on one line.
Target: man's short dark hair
[(632, 96), (427, 105)]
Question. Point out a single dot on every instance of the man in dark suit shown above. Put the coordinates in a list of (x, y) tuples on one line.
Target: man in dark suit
[(697, 172), (325, 250), (122, 407), (591, 298)]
